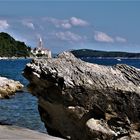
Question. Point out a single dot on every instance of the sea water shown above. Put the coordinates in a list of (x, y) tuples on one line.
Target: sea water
[(21, 109)]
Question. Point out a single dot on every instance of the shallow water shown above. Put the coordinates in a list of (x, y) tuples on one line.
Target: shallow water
[(21, 109)]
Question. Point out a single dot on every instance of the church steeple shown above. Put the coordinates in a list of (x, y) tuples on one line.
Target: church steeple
[(40, 51), (40, 44)]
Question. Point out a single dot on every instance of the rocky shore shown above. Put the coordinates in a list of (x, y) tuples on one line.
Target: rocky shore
[(8, 87), (83, 101)]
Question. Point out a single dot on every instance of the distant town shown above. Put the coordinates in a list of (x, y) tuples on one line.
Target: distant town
[(40, 50), (11, 48)]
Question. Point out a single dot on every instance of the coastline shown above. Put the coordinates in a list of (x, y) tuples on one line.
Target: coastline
[(84, 57), (13, 58), (109, 57)]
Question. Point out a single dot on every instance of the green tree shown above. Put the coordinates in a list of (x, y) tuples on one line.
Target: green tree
[(10, 47)]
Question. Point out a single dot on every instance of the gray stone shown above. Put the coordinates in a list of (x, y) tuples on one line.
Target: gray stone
[(83, 101), (19, 133), (8, 87)]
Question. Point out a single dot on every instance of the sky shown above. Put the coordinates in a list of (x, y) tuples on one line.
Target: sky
[(109, 25)]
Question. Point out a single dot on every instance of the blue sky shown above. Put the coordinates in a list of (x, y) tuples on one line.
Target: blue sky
[(68, 24)]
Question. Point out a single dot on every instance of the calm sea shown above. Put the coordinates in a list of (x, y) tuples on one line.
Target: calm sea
[(21, 109)]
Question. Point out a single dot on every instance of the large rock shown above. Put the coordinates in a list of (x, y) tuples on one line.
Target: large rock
[(83, 101), (8, 87)]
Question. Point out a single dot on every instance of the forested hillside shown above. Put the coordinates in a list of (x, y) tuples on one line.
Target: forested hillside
[(95, 53), (10, 47)]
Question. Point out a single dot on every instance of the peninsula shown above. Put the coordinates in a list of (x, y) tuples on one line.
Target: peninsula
[(103, 54)]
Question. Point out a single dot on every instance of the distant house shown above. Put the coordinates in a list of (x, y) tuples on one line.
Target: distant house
[(40, 51)]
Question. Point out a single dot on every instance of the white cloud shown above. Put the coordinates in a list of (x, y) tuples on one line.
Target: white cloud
[(120, 39), (3, 24), (54, 21), (78, 22), (68, 36), (58, 23), (66, 23), (28, 24), (103, 37)]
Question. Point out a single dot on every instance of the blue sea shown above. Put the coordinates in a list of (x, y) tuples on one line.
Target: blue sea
[(21, 109)]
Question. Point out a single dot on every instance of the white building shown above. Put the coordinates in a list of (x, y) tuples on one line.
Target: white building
[(40, 51)]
